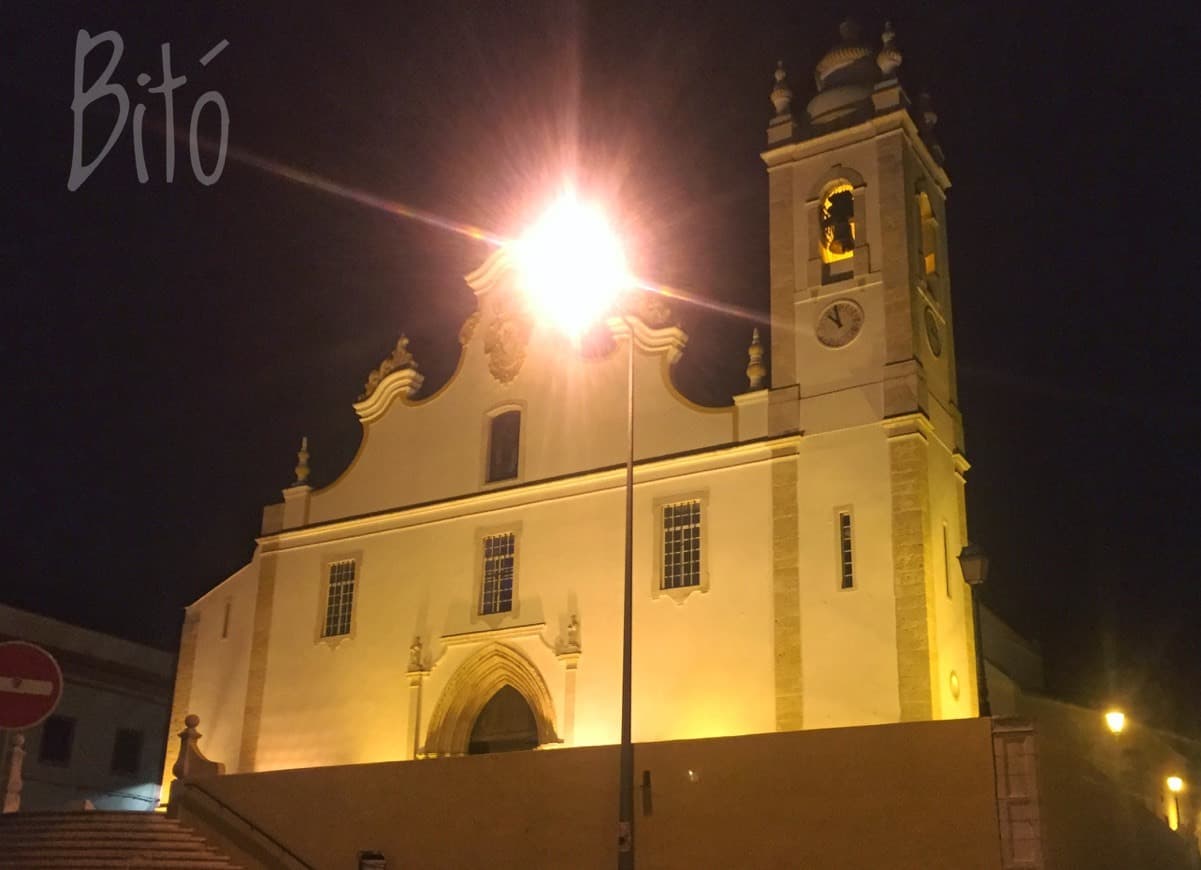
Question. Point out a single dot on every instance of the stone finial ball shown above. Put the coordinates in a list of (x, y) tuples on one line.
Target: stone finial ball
[(192, 720)]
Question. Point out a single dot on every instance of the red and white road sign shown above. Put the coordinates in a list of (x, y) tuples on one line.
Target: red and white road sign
[(31, 684)]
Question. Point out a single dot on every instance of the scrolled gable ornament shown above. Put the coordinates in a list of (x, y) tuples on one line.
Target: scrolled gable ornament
[(400, 358)]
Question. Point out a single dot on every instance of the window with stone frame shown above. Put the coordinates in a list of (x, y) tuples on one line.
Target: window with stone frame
[(682, 544), (500, 557), (504, 442), (846, 555), (339, 600)]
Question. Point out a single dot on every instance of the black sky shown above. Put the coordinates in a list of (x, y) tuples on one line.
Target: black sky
[(165, 346)]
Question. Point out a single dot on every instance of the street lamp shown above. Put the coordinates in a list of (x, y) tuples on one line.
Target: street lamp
[(974, 563), (1175, 786), (572, 270)]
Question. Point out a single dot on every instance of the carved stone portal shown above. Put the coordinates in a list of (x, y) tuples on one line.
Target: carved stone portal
[(473, 685)]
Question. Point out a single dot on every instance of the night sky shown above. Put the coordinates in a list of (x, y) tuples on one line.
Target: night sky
[(166, 345)]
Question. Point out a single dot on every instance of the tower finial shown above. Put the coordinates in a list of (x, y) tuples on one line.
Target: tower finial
[(781, 94), (889, 58), (755, 370), (302, 463)]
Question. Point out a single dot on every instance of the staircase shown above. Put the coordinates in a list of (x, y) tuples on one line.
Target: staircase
[(85, 840)]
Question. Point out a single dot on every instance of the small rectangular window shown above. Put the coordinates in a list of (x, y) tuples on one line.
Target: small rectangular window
[(340, 599), (946, 560), (682, 544), (58, 736), (846, 551), (127, 751), (225, 620), (504, 439), (499, 558)]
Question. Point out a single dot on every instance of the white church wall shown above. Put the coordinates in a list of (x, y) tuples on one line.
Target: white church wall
[(952, 612), (217, 692), (848, 636), (703, 665)]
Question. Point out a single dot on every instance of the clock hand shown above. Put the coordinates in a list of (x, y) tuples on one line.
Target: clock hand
[(834, 317)]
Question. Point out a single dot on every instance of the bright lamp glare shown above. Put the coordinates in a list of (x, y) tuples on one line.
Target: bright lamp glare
[(1116, 720), (1175, 784), (571, 265)]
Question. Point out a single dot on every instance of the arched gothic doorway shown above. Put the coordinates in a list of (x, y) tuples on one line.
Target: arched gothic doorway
[(506, 724), (497, 673)]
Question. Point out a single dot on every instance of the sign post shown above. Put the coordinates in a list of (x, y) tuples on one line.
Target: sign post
[(31, 685)]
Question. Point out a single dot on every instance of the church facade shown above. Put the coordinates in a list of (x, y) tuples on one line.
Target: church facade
[(458, 588)]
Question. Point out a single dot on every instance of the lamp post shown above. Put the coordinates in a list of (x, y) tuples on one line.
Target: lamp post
[(974, 563), (573, 269)]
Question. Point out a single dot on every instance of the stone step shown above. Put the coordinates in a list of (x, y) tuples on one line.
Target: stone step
[(105, 851), (87, 840), (121, 863)]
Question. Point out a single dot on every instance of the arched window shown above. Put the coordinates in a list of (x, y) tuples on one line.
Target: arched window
[(929, 235), (837, 215), (504, 441)]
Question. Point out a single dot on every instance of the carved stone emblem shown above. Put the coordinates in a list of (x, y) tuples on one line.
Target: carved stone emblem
[(652, 310), (506, 339), (400, 358), (468, 328)]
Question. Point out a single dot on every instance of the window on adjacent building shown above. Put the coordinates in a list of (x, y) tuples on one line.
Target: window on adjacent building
[(127, 751), (504, 439), (682, 544), (497, 589), (58, 736), (846, 551), (339, 601)]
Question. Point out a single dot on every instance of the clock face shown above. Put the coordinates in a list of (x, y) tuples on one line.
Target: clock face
[(932, 334), (839, 323)]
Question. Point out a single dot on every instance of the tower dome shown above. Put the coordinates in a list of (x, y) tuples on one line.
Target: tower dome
[(847, 74), (848, 62)]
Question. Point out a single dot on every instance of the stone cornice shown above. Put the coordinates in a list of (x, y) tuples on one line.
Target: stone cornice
[(895, 121)]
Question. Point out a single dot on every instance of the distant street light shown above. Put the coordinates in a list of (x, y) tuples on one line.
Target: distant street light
[(572, 269), (1175, 786), (974, 563), (1115, 721)]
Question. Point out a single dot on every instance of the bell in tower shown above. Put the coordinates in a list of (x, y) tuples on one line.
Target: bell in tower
[(838, 222)]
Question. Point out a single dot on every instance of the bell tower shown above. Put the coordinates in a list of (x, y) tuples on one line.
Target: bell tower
[(863, 360)]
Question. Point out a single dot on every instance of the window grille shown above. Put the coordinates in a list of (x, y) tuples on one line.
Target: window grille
[(847, 566), (340, 600), (682, 545), (497, 593)]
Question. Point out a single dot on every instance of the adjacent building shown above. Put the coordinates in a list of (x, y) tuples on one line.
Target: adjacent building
[(103, 745)]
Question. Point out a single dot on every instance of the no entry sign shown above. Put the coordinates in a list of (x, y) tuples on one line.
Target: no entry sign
[(31, 684)]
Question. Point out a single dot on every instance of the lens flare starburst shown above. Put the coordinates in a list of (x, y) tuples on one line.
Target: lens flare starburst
[(571, 265)]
